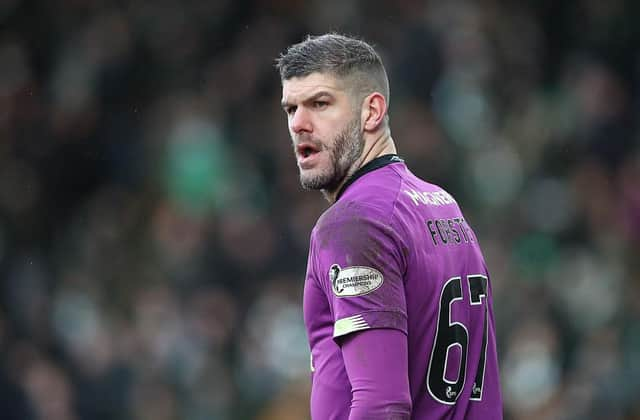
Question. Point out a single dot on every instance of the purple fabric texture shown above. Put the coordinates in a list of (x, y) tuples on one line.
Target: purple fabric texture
[(396, 253)]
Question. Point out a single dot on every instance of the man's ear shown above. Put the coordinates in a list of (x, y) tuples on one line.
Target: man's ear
[(374, 108)]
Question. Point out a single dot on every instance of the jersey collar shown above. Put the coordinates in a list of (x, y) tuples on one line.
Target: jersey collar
[(376, 163)]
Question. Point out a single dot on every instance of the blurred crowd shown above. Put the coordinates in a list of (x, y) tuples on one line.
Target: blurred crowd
[(153, 234)]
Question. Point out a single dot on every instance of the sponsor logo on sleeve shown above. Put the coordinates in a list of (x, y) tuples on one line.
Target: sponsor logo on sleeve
[(354, 281)]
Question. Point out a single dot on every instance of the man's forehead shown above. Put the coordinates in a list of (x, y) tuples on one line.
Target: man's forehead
[(309, 85)]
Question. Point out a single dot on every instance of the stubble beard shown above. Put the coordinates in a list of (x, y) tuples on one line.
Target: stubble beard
[(346, 149)]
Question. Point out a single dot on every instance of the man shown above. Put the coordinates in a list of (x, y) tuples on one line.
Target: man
[(397, 300)]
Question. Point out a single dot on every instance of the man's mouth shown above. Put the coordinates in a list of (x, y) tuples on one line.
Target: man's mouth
[(306, 149)]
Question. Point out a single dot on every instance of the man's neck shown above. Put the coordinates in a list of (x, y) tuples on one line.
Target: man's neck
[(381, 145)]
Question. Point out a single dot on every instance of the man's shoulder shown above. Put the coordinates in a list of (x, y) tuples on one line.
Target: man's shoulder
[(353, 216), (351, 210), (377, 190)]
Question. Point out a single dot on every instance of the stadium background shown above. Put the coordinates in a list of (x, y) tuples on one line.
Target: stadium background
[(153, 235)]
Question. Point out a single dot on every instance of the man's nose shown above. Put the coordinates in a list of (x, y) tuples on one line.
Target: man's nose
[(300, 121)]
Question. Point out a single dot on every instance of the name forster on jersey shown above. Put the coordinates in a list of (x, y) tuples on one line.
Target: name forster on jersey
[(354, 281), (452, 231)]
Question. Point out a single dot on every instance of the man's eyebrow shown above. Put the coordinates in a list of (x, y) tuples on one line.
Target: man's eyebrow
[(311, 98)]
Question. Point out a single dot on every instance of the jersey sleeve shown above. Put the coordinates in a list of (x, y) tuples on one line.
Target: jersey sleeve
[(359, 261), (378, 393)]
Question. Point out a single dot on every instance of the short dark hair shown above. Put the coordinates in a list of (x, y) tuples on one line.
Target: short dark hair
[(343, 56)]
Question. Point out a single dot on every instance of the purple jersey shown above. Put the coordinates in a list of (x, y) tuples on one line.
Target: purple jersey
[(396, 252)]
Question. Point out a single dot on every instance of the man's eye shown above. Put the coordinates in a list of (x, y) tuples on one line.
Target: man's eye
[(290, 110), (320, 104)]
